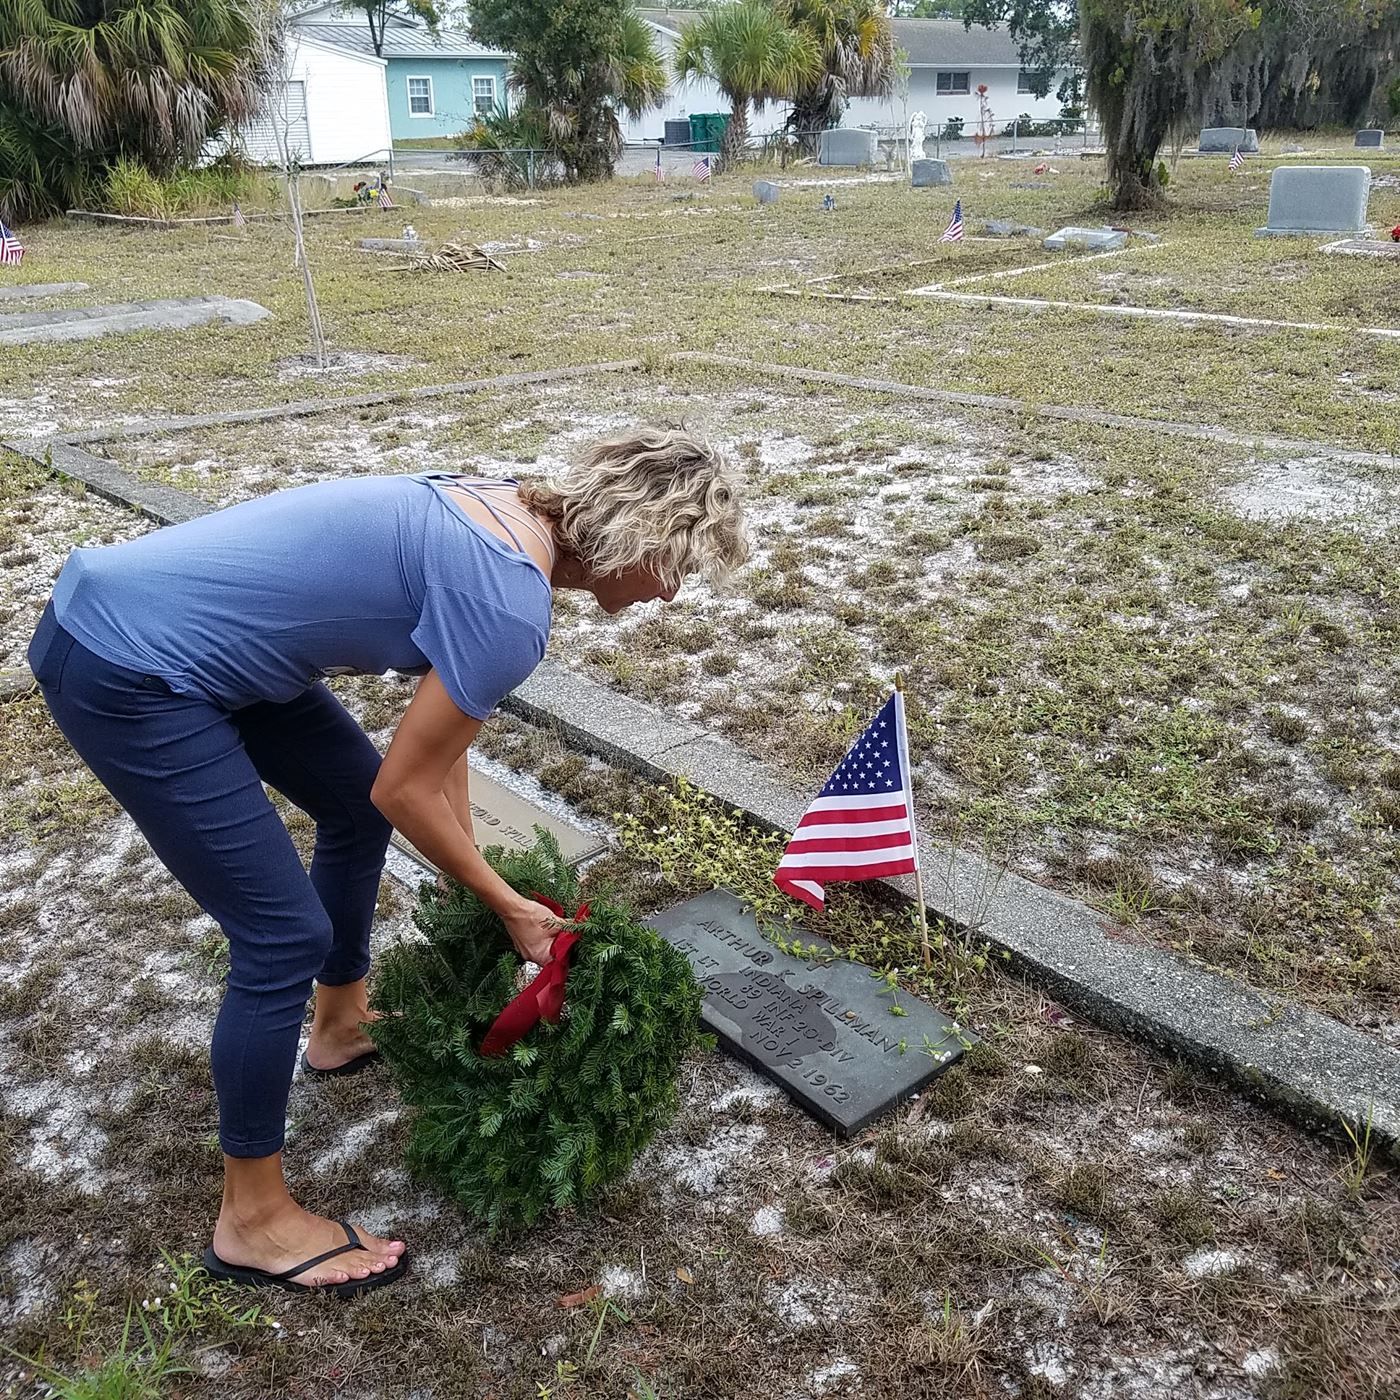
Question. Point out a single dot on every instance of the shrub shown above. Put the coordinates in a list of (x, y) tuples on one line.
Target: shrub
[(567, 1109)]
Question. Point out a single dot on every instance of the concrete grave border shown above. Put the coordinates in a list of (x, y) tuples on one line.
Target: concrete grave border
[(1311, 1067), (938, 291)]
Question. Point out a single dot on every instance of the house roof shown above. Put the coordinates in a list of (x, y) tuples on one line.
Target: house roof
[(399, 41), (931, 43)]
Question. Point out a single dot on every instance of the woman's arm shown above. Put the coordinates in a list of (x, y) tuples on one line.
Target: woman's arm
[(412, 793), (458, 796)]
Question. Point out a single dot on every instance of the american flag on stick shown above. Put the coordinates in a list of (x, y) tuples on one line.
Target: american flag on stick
[(11, 249), (861, 826), (702, 168), (658, 174), (384, 201), (239, 221), (1236, 159), (954, 232)]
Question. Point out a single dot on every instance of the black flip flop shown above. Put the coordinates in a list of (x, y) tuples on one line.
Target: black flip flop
[(365, 1061), (218, 1270)]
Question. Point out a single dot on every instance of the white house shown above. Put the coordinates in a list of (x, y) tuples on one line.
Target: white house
[(330, 106), (948, 62)]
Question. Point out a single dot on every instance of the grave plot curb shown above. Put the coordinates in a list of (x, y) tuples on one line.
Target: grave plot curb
[(1004, 404), (1308, 1066)]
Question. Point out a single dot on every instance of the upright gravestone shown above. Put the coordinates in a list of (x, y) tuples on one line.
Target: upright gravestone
[(1307, 199), (1228, 138), (765, 191), (931, 172), (1371, 136), (846, 146), (833, 1036)]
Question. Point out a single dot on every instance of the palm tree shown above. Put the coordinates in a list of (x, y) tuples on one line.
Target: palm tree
[(857, 47), (84, 82), (753, 55), (575, 74)]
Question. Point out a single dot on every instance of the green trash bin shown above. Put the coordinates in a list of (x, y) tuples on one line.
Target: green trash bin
[(707, 130)]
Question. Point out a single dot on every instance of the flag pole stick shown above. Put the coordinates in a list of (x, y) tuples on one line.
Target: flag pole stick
[(913, 833)]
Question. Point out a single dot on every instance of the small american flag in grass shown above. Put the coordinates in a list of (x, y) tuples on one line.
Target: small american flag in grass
[(954, 232), (861, 827), (702, 168), (1236, 159), (239, 221), (657, 173), (384, 201), (11, 249)]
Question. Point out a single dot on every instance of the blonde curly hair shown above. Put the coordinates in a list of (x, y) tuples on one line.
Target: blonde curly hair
[(650, 497)]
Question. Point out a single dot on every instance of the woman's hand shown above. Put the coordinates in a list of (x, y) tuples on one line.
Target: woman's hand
[(532, 929)]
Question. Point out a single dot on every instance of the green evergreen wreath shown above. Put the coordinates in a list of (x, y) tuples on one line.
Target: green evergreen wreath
[(567, 1109)]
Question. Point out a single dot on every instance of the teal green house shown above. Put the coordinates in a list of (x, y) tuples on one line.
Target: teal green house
[(436, 84)]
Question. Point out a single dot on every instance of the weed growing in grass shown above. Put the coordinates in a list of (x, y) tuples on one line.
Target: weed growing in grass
[(697, 844), (1357, 1167)]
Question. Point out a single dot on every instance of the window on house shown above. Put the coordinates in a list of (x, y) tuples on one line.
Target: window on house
[(484, 95), (953, 82), (420, 97), (1025, 81)]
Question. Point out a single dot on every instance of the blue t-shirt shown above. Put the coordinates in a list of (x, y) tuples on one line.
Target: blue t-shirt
[(366, 574)]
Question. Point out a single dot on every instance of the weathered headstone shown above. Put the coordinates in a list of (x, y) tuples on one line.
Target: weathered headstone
[(1305, 199), (1100, 240), (765, 191), (89, 322), (931, 172), (846, 146), (1227, 139), (826, 1031), (501, 817), (1371, 136)]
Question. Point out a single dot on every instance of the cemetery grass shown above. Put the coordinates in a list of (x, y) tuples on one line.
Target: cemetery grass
[(631, 269), (1157, 673), (1065, 1214)]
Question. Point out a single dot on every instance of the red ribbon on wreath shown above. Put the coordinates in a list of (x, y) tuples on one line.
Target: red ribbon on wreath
[(543, 999)]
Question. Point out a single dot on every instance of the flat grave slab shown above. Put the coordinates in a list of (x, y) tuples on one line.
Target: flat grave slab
[(1307, 199), (118, 318), (24, 291), (825, 1032), (1100, 240), (393, 245), (1363, 248), (501, 817)]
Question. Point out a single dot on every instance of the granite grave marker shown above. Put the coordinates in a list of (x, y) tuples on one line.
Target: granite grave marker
[(1224, 139), (826, 1032), (765, 191), (930, 172), (1371, 136), (501, 817), (843, 145), (1305, 199)]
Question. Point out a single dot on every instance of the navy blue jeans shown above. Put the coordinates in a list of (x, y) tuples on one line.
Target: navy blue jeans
[(191, 775)]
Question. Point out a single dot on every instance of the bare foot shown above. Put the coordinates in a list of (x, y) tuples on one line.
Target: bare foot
[(331, 1046), (285, 1237)]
